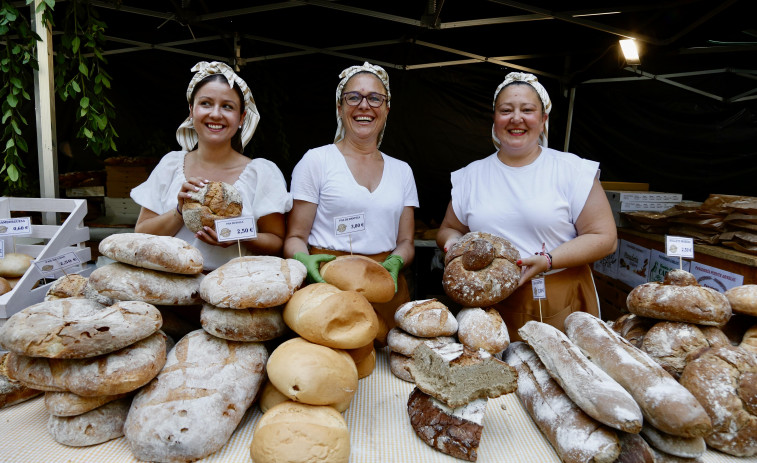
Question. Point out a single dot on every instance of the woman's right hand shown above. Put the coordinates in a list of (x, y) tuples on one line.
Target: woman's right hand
[(192, 184)]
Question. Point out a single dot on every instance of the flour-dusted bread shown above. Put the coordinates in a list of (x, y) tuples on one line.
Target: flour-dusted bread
[(93, 427), (253, 282), (214, 201), (12, 391), (247, 325), (743, 299), (164, 253), (294, 432), (14, 264), (426, 318), (684, 447), (75, 285), (115, 373), (679, 298), (671, 343), (749, 341), (482, 329), (633, 327), (457, 375), (78, 328), (70, 404), (400, 366), (405, 343), (326, 315), (454, 431), (575, 436), (126, 282), (361, 274), (192, 407)]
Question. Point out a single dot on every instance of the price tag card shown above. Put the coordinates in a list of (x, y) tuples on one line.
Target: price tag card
[(18, 226), (347, 224), (238, 228), (538, 288), (52, 264), (679, 246)]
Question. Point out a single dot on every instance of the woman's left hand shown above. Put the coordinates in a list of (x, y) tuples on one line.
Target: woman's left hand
[(208, 235), (531, 266)]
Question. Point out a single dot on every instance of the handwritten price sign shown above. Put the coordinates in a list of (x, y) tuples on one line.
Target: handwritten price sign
[(53, 264), (238, 228), (679, 246), (346, 224), (19, 226), (538, 288)]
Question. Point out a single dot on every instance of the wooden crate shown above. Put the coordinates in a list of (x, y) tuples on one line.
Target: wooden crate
[(120, 180)]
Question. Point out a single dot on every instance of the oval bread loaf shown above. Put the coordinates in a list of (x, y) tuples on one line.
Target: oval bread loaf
[(400, 365), (245, 325), (404, 343), (164, 253), (684, 447), (128, 283), (14, 264), (75, 285), (743, 299), (12, 391), (214, 201), (70, 404), (749, 341), (482, 329), (4, 286), (93, 427), (426, 318), (361, 274)]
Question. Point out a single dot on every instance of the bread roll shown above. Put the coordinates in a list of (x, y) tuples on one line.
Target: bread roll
[(312, 373), (192, 407), (365, 367), (404, 343), (164, 253), (70, 404), (11, 391), (575, 436), (14, 265), (128, 283), (400, 365), (600, 396), (671, 343), (75, 285), (93, 427), (296, 432), (214, 201), (749, 341), (253, 282), (361, 353), (270, 397), (743, 299), (684, 447), (482, 329), (78, 328), (4, 286), (326, 315), (361, 274), (426, 318), (246, 325)]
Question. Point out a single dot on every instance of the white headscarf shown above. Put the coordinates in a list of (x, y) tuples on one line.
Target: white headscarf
[(186, 134), (345, 75), (531, 80)]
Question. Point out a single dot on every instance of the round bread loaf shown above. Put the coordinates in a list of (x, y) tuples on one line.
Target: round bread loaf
[(679, 298), (14, 265), (164, 253), (70, 404), (480, 270), (4, 286), (326, 315), (253, 282), (361, 274), (366, 366), (93, 427), (214, 201), (724, 380), (482, 329), (78, 328), (311, 373), (400, 366), (749, 341), (295, 432), (125, 282), (671, 343), (743, 299), (246, 325), (426, 318), (404, 343)]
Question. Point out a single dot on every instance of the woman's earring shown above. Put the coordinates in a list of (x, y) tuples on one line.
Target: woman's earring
[(240, 127)]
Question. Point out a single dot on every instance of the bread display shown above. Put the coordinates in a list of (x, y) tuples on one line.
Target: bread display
[(671, 343), (482, 329), (70, 404), (253, 282), (360, 274), (75, 285), (480, 270), (426, 318), (214, 201), (743, 299), (679, 298), (77, 328), (246, 325), (164, 253), (12, 391), (192, 407), (296, 432), (600, 396), (575, 436), (125, 282), (14, 264), (633, 327), (684, 447), (93, 427), (404, 343)]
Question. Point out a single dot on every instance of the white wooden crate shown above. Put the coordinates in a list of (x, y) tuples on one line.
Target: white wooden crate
[(44, 241)]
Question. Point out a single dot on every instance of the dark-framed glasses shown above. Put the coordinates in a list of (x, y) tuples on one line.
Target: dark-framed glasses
[(355, 98)]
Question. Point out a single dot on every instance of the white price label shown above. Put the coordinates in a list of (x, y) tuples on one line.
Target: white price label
[(50, 265), (19, 226), (679, 246), (538, 288), (238, 228), (347, 224)]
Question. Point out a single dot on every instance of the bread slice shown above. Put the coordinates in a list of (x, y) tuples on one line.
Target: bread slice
[(457, 375)]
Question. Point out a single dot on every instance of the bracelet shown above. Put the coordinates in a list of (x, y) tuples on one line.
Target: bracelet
[(178, 210), (546, 255)]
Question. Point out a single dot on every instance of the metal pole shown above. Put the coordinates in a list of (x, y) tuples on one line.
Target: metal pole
[(570, 117)]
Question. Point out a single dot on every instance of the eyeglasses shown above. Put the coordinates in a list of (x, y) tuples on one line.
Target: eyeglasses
[(355, 98)]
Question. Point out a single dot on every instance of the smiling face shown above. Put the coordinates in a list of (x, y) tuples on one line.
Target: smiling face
[(362, 122), (519, 119), (217, 112)]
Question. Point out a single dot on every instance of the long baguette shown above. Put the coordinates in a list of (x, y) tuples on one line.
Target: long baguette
[(600, 396), (666, 404)]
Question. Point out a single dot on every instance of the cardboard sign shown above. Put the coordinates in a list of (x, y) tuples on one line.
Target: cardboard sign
[(661, 264), (238, 228), (346, 224), (609, 264), (715, 278), (633, 263), (18, 226)]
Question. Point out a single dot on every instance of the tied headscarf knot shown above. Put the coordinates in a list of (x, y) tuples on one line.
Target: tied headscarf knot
[(531, 80), (346, 75)]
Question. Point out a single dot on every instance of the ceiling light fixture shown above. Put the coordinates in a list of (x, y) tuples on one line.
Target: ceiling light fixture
[(630, 52)]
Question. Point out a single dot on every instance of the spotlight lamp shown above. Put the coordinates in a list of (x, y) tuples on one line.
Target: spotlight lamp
[(630, 52)]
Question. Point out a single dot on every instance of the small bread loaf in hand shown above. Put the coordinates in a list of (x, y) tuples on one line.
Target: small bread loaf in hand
[(214, 201)]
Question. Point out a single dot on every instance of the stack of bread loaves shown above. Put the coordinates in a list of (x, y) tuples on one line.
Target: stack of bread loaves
[(12, 267)]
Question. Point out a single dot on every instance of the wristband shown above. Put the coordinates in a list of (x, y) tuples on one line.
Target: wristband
[(178, 210)]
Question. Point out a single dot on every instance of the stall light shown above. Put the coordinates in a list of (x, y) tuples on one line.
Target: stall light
[(630, 52)]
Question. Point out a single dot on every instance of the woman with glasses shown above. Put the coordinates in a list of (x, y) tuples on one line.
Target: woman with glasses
[(349, 197)]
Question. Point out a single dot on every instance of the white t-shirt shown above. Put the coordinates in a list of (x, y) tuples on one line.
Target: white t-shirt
[(323, 177), (261, 184), (529, 205)]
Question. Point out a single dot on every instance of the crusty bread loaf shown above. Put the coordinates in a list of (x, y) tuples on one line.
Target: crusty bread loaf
[(246, 325), (4, 286), (671, 343), (70, 404), (400, 365), (679, 298), (193, 406), (456, 432), (270, 397), (743, 299), (253, 282), (12, 391), (164, 253), (14, 264), (75, 285), (93, 427), (295, 432), (482, 329), (214, 201), (749, 341), (121, 371), (600, 396), (457, 375), (128, 283), (78, 328), (724, 380), (633, 327), (405, 343), (480, 270), (426, 318), (366, 366), (326, 315), (361, 274), (634, 449), (575, 436), (684, 447), (666, 404)]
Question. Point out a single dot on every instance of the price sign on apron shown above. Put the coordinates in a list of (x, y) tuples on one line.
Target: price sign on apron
[(538, 288), (348, 224), (238, 228), (19, 226), (52, 264)]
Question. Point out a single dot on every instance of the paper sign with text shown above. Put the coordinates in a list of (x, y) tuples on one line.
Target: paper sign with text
[(538, 288), (715, 278), (238, 228), (50, 265), (633, 263), (18, 226), (661, 264), (346, 224), (609, 264), (679, 246)]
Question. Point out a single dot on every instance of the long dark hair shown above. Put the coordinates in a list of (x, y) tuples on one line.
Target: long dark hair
[(236, 140)]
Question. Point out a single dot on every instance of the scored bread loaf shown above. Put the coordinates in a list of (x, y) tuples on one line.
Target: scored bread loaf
[(482, 329), (213, 201), (361, 274), (12, 391), (743, 299), (404, 343), (426, 318), (93, 427), (125, 282), (70, 404), (671, 343), (164, 253), (246, 325), (684, 447)]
